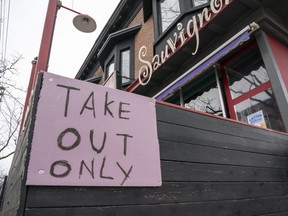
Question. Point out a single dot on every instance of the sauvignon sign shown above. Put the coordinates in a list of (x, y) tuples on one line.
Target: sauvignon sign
[(179, 38), (90, 135)]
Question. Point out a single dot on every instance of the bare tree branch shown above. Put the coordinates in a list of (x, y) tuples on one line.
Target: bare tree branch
[(7, 155), (11, 106)]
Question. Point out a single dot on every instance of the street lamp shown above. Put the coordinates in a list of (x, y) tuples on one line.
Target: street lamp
[(82, 22)]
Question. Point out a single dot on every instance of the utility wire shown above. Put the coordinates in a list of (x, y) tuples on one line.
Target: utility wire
[(4, 26), (2, 39), (7, 28), (1, 28)]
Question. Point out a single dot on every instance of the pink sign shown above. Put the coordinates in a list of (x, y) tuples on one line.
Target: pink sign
[(90, 135)]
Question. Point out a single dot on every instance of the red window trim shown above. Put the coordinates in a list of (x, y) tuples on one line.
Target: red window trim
[(252, 93), (232, 102)]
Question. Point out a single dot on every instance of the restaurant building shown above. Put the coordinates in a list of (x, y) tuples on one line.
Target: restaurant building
[(224, 58), (217, 70)]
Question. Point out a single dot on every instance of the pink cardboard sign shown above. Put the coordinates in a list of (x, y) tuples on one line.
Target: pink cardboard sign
[(90, 135)]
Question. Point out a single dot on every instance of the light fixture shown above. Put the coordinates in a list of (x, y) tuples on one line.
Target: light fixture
[(84, 23)]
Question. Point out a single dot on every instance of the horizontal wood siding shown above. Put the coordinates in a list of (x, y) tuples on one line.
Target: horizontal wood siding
[(210, 166), (217, 208)]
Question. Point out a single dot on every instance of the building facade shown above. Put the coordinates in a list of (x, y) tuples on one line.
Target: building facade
[(222, 58), (218, 72)]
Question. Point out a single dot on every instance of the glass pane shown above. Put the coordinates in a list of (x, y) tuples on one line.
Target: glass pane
[(260, 110), (174, 98), (246, 72), (125, 66), (110, 68), (170, 10), (202, 94), (200, 2)]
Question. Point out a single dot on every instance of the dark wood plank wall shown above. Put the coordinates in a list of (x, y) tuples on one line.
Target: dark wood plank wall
[(14, 196), (14, 186), (210, 166)]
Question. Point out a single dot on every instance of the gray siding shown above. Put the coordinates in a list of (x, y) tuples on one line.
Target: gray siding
[(210, 166)]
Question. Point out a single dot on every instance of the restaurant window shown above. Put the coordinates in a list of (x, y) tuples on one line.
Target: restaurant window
[(238, 88), (203, 93), (169, 11), (249, 90), (175, 97)]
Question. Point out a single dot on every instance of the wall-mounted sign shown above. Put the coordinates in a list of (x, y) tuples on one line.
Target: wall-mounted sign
[(257, 119), (90, 135), (179, 38)]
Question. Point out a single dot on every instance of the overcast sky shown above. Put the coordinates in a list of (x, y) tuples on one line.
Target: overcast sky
[(70, 47)]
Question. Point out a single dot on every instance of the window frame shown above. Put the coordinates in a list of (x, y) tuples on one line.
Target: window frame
[(107, 65), (193, 4), (117, 41), (228, 103), (233, 102), (130, 78), (116, 54), (159, 16), (185, 6)]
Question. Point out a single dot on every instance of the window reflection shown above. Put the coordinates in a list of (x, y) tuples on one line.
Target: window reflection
[(110, 68), (207, 102), (125, 66), (170, 10), (200, 2), (252, 101), (264, 107), (246, 72), (203, 94)]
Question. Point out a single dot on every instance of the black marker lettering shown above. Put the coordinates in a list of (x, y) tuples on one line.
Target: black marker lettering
[(102, 168), (67, 96), (62, 163), (92, 143), (91, 96), (126, 174), (125, 142), (75, 144), (106, 106), (120, 111), (91, 170)]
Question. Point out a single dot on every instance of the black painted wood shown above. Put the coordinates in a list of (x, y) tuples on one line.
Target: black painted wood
[(204, 154), (210, 166), (224, 170), (182, 171), (233, 141), (276, 214), (245, 207), (220, 126), (176, 192)]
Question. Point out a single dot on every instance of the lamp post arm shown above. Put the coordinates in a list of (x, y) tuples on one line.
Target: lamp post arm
[(62, 6)]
